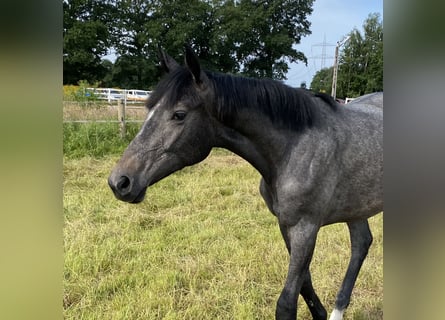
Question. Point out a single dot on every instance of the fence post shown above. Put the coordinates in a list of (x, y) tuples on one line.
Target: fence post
[(121, 117)]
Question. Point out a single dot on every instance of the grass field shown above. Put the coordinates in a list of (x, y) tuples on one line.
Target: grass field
[(97, 139), (202, 245)]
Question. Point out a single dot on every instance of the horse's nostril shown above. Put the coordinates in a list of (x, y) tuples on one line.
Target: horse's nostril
[(123, 183)]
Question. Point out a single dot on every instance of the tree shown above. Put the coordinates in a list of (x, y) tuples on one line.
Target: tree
[(262, 34), (322, 80), (255, 37), (85, 39), (361, 61), (173, 24), (133, 43)]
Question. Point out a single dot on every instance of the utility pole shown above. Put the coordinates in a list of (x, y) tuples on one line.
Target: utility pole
[(334, 76)]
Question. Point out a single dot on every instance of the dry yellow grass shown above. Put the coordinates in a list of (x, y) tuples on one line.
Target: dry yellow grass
[(100, 111)]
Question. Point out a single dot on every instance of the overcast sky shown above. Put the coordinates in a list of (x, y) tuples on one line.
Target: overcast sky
[(330, 21)]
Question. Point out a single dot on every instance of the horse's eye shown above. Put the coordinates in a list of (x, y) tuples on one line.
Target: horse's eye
[(179, 115)]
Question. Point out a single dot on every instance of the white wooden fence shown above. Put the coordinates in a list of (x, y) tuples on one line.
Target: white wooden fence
[(112, 95)]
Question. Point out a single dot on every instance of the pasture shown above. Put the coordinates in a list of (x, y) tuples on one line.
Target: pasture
[(202, 245)]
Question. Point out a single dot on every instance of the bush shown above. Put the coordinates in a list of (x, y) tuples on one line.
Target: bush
[(80, 93), (95, 139), (69, 92)]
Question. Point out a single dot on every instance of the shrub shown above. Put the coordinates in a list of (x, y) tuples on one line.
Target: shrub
[(80, 93), (69, 92)]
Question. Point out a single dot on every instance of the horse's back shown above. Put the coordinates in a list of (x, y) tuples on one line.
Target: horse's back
[(364, 119), (371, 100)]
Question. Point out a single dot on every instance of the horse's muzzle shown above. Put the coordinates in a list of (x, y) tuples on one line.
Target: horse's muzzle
[(125, 188)]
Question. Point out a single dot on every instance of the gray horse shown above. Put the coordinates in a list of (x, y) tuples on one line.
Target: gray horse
[(320, 162)]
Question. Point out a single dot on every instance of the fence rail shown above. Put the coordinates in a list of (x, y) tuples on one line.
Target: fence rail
[(112, 94)]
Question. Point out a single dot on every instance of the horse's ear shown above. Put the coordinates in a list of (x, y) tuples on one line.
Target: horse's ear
[(192, 63), (167, 62)]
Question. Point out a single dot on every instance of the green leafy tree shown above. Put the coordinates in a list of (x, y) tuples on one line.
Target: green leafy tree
[(107, 80), (133, 43), (322, 80), (140, 26), (85, 39), (175, 23), (361, 61), (262, 34), (360, 68), (254, 37)]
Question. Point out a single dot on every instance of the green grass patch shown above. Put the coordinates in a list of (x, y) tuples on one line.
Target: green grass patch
[(95, 139), (202, 245)]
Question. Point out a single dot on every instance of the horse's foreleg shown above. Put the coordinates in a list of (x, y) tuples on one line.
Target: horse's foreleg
[(307, 290), (300, 239), (313, 302), (361, 239)]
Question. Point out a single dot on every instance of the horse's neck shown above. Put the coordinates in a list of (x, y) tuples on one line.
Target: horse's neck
[(256, 140)]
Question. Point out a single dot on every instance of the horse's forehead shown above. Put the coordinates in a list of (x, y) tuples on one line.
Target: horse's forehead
[(158, 105), (164, 102)]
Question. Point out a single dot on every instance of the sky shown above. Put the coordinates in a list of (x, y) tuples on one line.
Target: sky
[(330, 22)]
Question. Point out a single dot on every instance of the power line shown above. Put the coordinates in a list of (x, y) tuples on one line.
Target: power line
[(323, 55)]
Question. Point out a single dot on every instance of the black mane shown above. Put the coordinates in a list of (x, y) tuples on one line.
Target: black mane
[(290, 107)]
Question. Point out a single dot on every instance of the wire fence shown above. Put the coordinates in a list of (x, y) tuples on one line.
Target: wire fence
[(100, 112)]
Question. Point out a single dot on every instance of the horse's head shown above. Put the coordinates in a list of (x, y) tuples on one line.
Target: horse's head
[(178, 130)]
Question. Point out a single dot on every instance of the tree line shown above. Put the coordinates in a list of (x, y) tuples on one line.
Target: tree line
[(360, 64), (255, 38)]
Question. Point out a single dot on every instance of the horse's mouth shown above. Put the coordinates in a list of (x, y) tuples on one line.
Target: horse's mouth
[(140, 197)]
